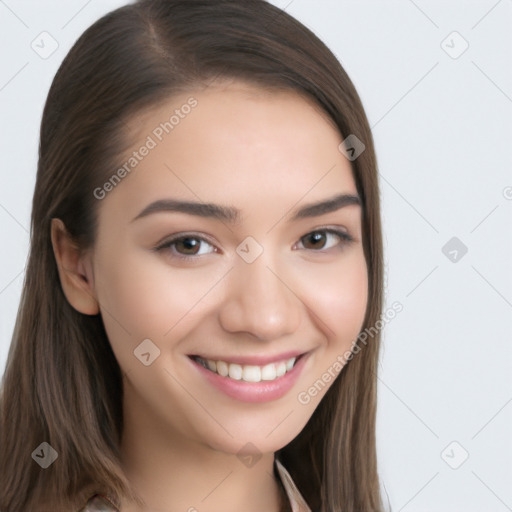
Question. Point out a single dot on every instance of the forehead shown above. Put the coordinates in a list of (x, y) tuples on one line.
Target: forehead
[(233, 143)]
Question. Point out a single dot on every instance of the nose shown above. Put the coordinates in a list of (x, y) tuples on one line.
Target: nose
[(260, 301)]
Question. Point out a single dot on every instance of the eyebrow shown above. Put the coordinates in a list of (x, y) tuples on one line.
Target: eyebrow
[(232, 215)]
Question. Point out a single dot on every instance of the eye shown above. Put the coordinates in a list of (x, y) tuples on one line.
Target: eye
[(323, 239), (187, 246)]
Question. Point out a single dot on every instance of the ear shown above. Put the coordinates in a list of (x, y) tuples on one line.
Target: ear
[(75, 270)]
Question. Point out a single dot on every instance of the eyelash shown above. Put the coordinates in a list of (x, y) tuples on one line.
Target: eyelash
[(345, 238)]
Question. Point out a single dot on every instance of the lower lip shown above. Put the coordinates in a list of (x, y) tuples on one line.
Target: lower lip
[(263, 391)]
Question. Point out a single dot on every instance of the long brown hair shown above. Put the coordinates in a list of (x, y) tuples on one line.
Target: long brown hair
[(62, 384)]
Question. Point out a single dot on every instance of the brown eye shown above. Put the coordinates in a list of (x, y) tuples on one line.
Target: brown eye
[(188, 246), (325, 239), (314, 240)]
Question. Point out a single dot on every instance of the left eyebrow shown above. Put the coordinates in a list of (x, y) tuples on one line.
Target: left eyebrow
[(328, 206)]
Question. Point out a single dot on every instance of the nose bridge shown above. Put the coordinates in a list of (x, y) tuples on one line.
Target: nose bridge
[(259, 301)]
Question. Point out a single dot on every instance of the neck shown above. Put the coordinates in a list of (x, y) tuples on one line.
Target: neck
[(172, 473)]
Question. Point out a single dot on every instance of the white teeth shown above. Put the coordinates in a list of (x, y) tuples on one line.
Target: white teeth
[(222, 368), (281, 369), (235, 371), (268, 372), (249, 373), (290, 363)]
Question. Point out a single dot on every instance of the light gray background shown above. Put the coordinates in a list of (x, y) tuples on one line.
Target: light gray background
[(442, 127)]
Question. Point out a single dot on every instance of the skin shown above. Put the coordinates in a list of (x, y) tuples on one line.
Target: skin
[(266, 154)]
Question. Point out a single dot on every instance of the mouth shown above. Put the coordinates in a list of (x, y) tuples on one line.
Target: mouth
[(248, 372)]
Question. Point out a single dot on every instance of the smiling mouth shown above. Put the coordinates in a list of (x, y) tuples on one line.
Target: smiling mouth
[(248, 372)]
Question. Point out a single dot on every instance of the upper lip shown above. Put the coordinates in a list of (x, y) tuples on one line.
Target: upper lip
[(255, 360)]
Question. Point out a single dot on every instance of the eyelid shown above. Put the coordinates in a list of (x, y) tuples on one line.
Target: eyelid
[(185, 234)]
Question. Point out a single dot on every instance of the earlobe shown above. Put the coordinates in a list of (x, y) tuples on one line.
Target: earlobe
[(75, 270)]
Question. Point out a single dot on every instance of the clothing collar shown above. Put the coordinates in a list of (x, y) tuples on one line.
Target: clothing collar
[(102, 503), (297, 502)]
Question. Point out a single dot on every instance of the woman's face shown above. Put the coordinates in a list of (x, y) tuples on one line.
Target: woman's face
[(226, 244)]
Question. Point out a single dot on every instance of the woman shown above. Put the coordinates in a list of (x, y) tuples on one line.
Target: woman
[(206, 248)]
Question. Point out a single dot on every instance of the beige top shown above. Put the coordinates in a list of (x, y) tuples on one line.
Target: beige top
[(100, 503)]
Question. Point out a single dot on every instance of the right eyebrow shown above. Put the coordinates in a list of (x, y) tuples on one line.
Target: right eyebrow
[(215, 211)]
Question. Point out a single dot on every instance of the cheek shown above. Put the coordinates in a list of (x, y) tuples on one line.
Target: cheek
[(337, 295), (143, 297)]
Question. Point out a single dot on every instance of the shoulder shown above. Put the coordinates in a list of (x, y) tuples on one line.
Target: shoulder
[(99, 503)]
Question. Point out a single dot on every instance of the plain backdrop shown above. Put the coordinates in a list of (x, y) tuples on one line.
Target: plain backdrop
[(436, 83)]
